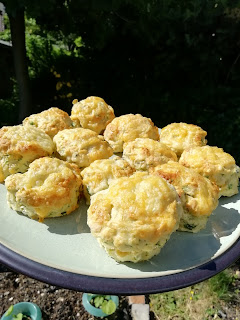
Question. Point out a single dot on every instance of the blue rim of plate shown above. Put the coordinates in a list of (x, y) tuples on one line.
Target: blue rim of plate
[(118, 286)]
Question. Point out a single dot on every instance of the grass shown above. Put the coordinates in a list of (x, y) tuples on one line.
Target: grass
[(202, 301)]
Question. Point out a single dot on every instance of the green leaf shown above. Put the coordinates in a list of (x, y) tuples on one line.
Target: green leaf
[(98, 301), (108, 307), (19, 316), (9, 311)]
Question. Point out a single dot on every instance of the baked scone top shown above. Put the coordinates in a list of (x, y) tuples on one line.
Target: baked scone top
[(199, 194), (180, 136), (51, 121), (101, 173), (212, 162), (144, 153), (81, 146), (127, 128), (92, 113), (21, 140), (133, 215), (49, 187)]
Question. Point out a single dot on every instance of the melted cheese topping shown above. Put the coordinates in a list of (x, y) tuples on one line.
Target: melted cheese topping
[(135, 216), (145, 153), (92, 113), (216, 165), (127, 128), (101, 173), (19, 146), (50, 121), (198, 195), (81, 146), (50, 188), (180, 136)]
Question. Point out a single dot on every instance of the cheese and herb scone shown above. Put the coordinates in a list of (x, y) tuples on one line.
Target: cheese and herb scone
[(50, 121), (92, 113), (127, 128), (180, 136), (101, 173), (81, 146), (199, 195), (135, 216), (144, 153), (215, 164), (19, 146), (50, 188)]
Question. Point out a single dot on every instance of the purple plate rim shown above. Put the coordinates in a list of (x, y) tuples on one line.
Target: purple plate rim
[(118, 286)]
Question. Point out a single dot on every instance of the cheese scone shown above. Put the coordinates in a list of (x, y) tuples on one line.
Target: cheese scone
[(81, 146), (180, 136), (50, 121), (19, 146), (101, 173), (127, 128), (215, 164), (135, 216), (199, 195), (143, 153), (92, 113), (50, 188)]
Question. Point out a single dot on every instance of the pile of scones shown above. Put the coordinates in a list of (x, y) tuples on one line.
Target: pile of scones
[(141, 183)]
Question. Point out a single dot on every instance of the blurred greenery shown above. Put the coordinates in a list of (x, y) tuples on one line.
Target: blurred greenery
[(168, 60)]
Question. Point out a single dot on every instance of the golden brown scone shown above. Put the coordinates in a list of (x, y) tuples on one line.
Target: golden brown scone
[(92, 113), (199, 195), (50, 188), (180, 136), (81, 146), (214, 164), (19, 146), (143, 153), (101, 173), (127, 128), (135, 216), (50, 121)]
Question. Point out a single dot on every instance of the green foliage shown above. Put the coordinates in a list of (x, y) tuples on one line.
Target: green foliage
[(168, 60), (200, 301), (104, 303)]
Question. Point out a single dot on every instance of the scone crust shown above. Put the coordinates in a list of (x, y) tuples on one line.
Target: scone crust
[(144, 153), (101, 173), (215, 164), (81, 146), (19, 146), (127, 128), (198, 194), (50, 188), (92, 113), (135, 216), (180, 136), (51, 121)]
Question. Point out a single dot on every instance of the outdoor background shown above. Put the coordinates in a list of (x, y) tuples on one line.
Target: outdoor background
[(169, 60)]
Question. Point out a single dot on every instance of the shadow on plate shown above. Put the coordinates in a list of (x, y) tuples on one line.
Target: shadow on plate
[(74, 223), (186, 250)]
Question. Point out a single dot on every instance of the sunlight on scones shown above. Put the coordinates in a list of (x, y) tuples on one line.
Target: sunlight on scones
[(101, 173), (50, 121), (92, 113), (198, 195), (214, 164), (127, 128), (19, 146), (180, 136), (145, 153), (135, 216), (81, 146), (50, 188)]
